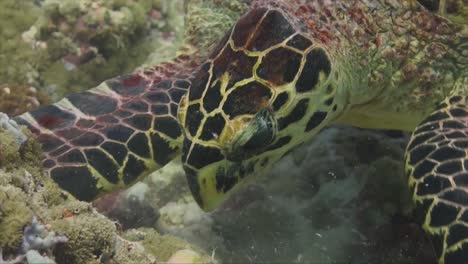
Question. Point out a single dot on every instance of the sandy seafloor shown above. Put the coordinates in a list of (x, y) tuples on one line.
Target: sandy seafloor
[(339, 199)]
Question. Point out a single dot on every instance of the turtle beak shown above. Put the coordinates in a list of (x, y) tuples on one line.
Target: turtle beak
[(213, 184), (192, 180)]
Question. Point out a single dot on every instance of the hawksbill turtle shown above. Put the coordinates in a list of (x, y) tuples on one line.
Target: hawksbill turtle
[(284, 71)]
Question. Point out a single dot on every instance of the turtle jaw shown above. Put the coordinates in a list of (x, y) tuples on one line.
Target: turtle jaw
[(216, 182), (202, 184)]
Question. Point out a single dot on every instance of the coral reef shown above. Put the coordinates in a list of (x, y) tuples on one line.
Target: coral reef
[(34, 257), (93, 40), (59, 47), (17, 260), (25, 192), (126, 251), (16, 57), (91, 238), (209, 20), (11, 126), (15, 100), (74, 45), (36, 237), (67, 46), (185, 256), (164, 247), (457, 11), (14, 212)]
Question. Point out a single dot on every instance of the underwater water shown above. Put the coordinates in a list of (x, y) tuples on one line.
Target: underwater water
[(343, 197), (340, 199)]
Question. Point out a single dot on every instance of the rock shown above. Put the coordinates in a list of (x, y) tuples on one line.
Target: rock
[(184, 256)]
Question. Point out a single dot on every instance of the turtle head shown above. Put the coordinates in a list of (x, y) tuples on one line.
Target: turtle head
[(226, 153), (226, 131), (264, 90)]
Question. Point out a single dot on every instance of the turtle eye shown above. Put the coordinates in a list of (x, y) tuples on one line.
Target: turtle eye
[(259, 133)]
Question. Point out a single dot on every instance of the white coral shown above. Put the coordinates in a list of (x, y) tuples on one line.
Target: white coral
[(34, 257), (36, 237), (11, 126)]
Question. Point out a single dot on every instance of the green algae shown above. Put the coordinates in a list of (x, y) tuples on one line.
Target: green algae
[(163, 246), (20, 161), (14, 216), (89, 238), (17, 59), (26, 191), (69, 209), (10, 156), (115, 35), (209, 20), (458, 12), (103, 38), (92, 237), (21, 186), (18, 99), (131, 252)]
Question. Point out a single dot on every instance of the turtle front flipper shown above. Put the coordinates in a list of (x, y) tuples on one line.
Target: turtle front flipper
[(108, 137), (437, 164)]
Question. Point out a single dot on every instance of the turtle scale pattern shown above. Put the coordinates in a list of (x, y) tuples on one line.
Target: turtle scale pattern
[(252, 69), (108, 137), (437, 165), (285, 70)]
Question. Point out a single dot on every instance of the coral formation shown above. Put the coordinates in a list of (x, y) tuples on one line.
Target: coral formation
[(209, 20), (90, 238), (14, 212), (25, 191), (72, 46), (36, 237), (15, 100), (163, 247), (34, 257), (11, 126), (185, 256), (184, 218), (93, 40), (18, 60), (14, 215), (126, 251), (457, 11), (17, 260), (65, 46)]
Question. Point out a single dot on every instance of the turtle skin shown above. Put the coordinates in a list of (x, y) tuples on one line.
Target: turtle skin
[(283, 72), (437, 166), (110, 136)]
